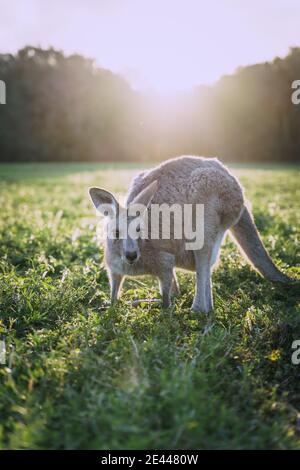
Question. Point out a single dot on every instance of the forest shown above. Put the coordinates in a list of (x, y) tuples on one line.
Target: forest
[(66, 108)]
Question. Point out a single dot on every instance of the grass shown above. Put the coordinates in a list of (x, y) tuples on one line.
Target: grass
[(80, 376)]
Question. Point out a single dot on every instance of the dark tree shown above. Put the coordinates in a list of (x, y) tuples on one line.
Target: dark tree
[(63, 108)]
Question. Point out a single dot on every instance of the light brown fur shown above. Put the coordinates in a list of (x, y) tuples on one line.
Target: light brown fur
[(187, 180)]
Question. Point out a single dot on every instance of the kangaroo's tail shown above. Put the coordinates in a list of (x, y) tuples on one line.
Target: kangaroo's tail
[(247, 236)]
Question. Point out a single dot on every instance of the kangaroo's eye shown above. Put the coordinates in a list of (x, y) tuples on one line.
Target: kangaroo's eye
[(138, 229)]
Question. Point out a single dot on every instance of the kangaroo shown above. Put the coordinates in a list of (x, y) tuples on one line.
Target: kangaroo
[(182, 180)]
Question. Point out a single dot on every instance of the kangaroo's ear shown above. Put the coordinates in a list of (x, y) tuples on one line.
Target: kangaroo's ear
[(104, 201), (146, 195)]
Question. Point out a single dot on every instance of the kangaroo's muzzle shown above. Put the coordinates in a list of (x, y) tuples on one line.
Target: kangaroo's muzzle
[(131, 256)]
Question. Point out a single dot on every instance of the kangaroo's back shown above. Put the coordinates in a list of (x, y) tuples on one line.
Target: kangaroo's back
[(194, 180), (171, 177)]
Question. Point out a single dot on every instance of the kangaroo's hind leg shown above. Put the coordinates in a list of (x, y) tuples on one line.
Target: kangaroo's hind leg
[(204, 261), (213, 260), (203, 296)]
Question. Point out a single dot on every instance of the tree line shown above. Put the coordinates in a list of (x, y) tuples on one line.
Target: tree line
[(65, 108)]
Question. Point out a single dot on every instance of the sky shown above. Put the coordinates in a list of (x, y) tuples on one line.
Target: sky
[(163, 45)]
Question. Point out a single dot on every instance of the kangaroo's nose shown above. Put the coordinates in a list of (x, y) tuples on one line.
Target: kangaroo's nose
[(131, 256)]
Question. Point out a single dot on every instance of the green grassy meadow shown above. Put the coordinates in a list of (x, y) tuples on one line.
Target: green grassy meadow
[(82, 376)]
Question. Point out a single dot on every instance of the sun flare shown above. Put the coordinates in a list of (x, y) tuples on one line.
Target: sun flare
[(164, 46)]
